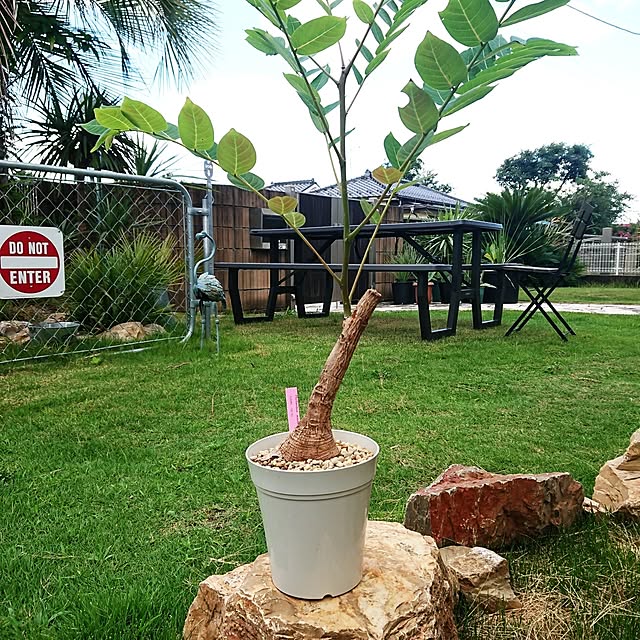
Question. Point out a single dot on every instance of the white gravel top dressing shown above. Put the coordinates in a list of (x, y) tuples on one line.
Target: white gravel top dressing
[(349, 455)]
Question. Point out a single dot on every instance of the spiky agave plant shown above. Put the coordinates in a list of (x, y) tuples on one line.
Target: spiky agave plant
[(448, 80)]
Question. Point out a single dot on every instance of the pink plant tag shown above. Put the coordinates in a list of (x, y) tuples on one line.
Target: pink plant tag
[(293, 410)]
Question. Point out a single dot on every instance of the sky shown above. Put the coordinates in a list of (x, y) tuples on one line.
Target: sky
[(591, 99)]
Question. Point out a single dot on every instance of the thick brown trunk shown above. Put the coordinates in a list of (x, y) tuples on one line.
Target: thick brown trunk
[(313, 438)]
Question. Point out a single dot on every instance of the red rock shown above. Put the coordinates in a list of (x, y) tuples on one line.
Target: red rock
[(473, 507)]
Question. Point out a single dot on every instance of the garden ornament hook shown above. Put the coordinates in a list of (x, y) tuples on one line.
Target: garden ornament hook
[(208, 289)]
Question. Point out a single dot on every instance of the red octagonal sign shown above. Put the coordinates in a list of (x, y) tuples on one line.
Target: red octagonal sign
[(31, 262)]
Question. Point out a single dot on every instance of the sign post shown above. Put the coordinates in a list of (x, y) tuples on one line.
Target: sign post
[(31, 262)]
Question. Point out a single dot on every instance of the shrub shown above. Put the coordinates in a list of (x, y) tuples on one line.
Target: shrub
[(122, 284)]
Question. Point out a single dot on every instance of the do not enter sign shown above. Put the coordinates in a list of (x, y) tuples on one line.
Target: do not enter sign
[(31, 262)]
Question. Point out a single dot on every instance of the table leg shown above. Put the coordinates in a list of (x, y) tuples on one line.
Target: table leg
[(476, 262), (456, 283)]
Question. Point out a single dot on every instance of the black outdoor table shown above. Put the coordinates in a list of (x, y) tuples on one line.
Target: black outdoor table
[(408, 231)]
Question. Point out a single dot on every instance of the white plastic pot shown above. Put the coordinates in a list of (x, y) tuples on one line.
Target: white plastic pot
[(315, 521)]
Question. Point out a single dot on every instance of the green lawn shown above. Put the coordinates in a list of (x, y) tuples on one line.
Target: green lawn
[(123, 484), (596, 295)]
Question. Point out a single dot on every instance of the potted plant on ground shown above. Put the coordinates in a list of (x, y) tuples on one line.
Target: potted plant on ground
[(403, 281), (304, 473)]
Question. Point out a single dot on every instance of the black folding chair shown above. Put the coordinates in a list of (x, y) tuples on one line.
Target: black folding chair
[(540, 282)]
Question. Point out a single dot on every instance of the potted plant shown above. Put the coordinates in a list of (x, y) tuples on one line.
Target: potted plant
[(320, 506), (403, 281)]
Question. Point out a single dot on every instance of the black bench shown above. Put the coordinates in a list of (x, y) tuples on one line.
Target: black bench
[(298, 271)]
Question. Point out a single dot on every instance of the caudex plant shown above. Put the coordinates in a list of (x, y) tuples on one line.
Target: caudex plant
[(450, 76)]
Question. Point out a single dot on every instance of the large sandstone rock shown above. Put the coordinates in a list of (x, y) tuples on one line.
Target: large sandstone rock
[(404, 595), (481, 576), (470, 506), (15, 331), (617, 487), (127, 331)]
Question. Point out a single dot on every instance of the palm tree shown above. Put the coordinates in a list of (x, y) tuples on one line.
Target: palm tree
[(533, 223), (54, 136), (47, 47)]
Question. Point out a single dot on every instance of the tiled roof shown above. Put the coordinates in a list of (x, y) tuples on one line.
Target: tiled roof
[(294, 186), (367, 186)]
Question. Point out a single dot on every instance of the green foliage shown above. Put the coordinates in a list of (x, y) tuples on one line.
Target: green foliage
[(406, 255), (534, 226), (550, 166), (441, 247), (453, 80), (565, 169), (122, 284), (608, 200), (53, 136)]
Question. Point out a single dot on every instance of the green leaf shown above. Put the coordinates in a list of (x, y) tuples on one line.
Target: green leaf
[(94, 128), (363, 11), (443, 135), (386, 175), (439, 64), (460, 102), (376, 62), (262, 41), (533, 11), (507, 65), (412, 148), (367, 55), (321, 79), (470, 22), (330, 107), (113, 118), (106, 136), (391, 147), (287, 4), (389, 38), (171, 133), (319, 34), (421, 114), (282, 204), (439, 97), (366, 206), (386, 18), (377, 32), (255, 181), (208, 154), (194, 125), (236, 154), (358, 75), (295, 219), (144, 117)]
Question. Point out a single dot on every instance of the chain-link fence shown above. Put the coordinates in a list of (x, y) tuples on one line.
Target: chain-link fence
[(126, 262)]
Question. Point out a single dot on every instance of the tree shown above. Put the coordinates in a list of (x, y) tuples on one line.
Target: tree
[(608, 201), (54, 137), (46, 47), (452, 81), (566, 172), (549, 167), (426, 177)]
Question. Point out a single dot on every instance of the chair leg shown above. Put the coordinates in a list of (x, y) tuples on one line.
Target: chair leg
[(536, 304), (525, 316), (544, 296)]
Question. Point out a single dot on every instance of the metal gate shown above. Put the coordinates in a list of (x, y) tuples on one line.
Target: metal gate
[(129, 260)]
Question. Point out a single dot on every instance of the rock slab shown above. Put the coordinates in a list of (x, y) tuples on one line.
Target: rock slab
[(481, 576), (617, 488), (404, 595), (473, 507)]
